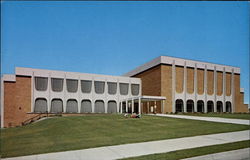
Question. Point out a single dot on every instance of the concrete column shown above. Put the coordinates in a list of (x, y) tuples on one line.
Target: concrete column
[(92, 95), (232, 91), (64, 90), (132, 105), (195, 88), (32, 93), (155, 106), (173, 86), (148, 107), (126, 106), (139, 105), (120, 106), (49, 88), (215, 89), (185, 88), (162, 104), (224, 89), (79, 94), (205, 89)]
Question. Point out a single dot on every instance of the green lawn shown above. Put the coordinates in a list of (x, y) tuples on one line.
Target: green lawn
[(80, 132), (222, 115), (187, 153)]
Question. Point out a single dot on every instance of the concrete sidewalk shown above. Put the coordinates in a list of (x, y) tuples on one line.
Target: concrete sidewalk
[(139, 149), (240, 154), (211, 119)]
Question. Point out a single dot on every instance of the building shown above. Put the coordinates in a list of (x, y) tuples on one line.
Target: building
[(191, 86), (165, 84)]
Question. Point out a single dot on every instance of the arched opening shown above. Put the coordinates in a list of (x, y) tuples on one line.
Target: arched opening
[(228, 107), (200, 106), (72, 106), (99, 106), (86, 106), (219, 106), (56, 106), (40, 105), (179, 105), (210, 106), (112, 107), (190, 106)]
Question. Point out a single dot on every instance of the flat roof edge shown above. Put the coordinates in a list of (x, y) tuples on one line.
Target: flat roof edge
[(181, 62)]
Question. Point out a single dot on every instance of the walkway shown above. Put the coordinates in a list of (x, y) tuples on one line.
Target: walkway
[(240, 154), (211, 119), (144, 148)]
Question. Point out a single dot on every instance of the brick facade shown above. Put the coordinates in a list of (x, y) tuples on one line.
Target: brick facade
[(17, 101)]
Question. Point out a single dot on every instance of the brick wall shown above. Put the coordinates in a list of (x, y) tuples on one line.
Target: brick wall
[(17, 101)]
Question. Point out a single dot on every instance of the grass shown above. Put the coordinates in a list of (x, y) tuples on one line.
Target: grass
[(221, 115), (187, 153), (80, 132)]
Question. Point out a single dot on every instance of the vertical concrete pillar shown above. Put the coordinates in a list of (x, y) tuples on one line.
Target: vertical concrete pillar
[(139, 105), (126, 106), (32, 92), (232, 91), (205, 89), (79, 94), (185, 88), (64, 90), (224, 89), (195, 88), (148, 107), (215, 89), (49, 91), (92, 94), (132, 105), (173, 85), (162, 104)]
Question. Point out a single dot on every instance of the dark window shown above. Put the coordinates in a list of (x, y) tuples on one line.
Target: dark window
[(99, 87), (86, 106), (56, 106), (135, 89), (72, 85), (86, 86), (57, 84), (99, 106), (40, 105), (112, 87), (41, 83), (72, 106), (112, 107), (123, 88)]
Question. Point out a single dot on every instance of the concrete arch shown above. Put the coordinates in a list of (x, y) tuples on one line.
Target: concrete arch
[(86, 106), (112, 106), (56, 105), (41, 105), (99, 106), (219, 106), (200, 106), (190, 105), (229, 107), (210, 106), (179, 105), (72, 106)]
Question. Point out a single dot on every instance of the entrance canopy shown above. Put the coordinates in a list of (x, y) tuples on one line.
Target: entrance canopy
[(139, 100)]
